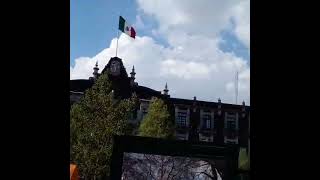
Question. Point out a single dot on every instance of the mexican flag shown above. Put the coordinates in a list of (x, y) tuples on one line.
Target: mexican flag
[(126, 28)]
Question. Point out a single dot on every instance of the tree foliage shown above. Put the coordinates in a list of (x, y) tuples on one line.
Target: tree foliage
[(93, 121), (157, 122)]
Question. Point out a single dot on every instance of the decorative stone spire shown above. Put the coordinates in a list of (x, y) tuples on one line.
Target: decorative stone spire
[(95, 71), (133, 73), (132, 77), (166, 90), (194, 104), (243, 109), (219, 106)]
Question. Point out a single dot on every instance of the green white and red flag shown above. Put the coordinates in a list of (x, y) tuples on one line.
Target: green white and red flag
[(126, 28)]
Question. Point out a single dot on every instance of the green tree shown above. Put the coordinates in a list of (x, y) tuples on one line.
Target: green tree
[(93, 121), (157, 122)]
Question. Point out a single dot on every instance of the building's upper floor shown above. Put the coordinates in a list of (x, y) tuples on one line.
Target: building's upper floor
[(205, 117)]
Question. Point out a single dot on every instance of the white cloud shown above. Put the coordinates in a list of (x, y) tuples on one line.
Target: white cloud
[(186, 70), (207, 78), (192, 64), (203, 16), (80, 69), (139, 24), (242, 18)]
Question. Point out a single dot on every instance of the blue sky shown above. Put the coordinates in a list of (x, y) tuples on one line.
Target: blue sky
[(175, 35), (94, 23)]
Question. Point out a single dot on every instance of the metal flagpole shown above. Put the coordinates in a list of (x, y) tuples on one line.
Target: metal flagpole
[(117, 42), (118, 29), (117, 35), (236, 87)]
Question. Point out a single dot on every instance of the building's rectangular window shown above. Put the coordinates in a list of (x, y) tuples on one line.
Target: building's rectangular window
[(144, 105), (208, 123), (181, 116), (230, 142), (182, 119), (144, 111), (183, 109), (181, 137), (206, 120), (231, 125), (206, 138), (231, 121)]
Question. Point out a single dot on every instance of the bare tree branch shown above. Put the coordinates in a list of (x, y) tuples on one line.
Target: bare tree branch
[(172, 168)]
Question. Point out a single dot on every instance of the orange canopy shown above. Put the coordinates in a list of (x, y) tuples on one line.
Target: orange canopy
[(74, 173)]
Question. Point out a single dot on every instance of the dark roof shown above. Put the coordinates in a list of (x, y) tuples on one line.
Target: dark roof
[(204, 103), (80, 85), (146, 92)]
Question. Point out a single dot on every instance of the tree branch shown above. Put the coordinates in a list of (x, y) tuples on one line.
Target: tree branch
[(171, 169)]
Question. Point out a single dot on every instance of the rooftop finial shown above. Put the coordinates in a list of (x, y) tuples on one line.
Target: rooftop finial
[(133, 73), (95, 71), (166, 90), (132, 78), (219, 107), (243, 109)]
